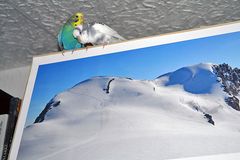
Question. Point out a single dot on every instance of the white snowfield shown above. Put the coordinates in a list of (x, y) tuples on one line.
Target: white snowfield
[(112, 118)]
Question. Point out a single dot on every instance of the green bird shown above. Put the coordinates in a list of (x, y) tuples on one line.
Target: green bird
[(66, 40)]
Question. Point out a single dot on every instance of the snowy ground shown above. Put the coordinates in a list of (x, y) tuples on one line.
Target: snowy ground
[(110, 118)]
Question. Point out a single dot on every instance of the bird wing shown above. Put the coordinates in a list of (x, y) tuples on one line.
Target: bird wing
[(106, 30), (98, 34), (60, 43)]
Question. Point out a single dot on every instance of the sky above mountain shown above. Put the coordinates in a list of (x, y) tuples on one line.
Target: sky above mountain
[(146, 63)]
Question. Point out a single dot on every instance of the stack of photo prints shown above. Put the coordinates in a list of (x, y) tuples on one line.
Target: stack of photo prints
[(8, 116)]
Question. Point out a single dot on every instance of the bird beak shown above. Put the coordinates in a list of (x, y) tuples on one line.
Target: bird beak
[(75, 19)]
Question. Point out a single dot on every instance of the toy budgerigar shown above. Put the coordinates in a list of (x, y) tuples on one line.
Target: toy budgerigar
[(95, 33), (66, 40)]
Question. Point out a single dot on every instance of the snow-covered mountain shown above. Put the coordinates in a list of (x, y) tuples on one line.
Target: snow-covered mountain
[(179, 114)]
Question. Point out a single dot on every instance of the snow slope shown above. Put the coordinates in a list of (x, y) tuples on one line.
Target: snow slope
[(179, 114)]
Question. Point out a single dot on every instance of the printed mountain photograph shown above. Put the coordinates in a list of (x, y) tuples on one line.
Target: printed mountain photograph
[(163, 102)]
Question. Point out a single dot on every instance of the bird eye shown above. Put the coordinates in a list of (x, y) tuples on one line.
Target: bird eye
[(76, 16)]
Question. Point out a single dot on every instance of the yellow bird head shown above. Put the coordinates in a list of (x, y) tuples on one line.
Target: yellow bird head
[(77, 19)]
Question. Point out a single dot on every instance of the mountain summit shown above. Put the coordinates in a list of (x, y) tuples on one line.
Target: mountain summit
[(197, 79), (192, 111)]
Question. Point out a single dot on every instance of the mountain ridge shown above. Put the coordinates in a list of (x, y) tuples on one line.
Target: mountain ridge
[(183, 76)]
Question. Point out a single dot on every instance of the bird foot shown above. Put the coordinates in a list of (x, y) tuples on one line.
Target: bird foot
[(63, 52), (87, 45), (73, 51), (103, 46)]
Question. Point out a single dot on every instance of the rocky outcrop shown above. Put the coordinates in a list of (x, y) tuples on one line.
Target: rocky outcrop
[(48, 107), (108, 86), (209, 118), (230, 80), (233, 102)]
